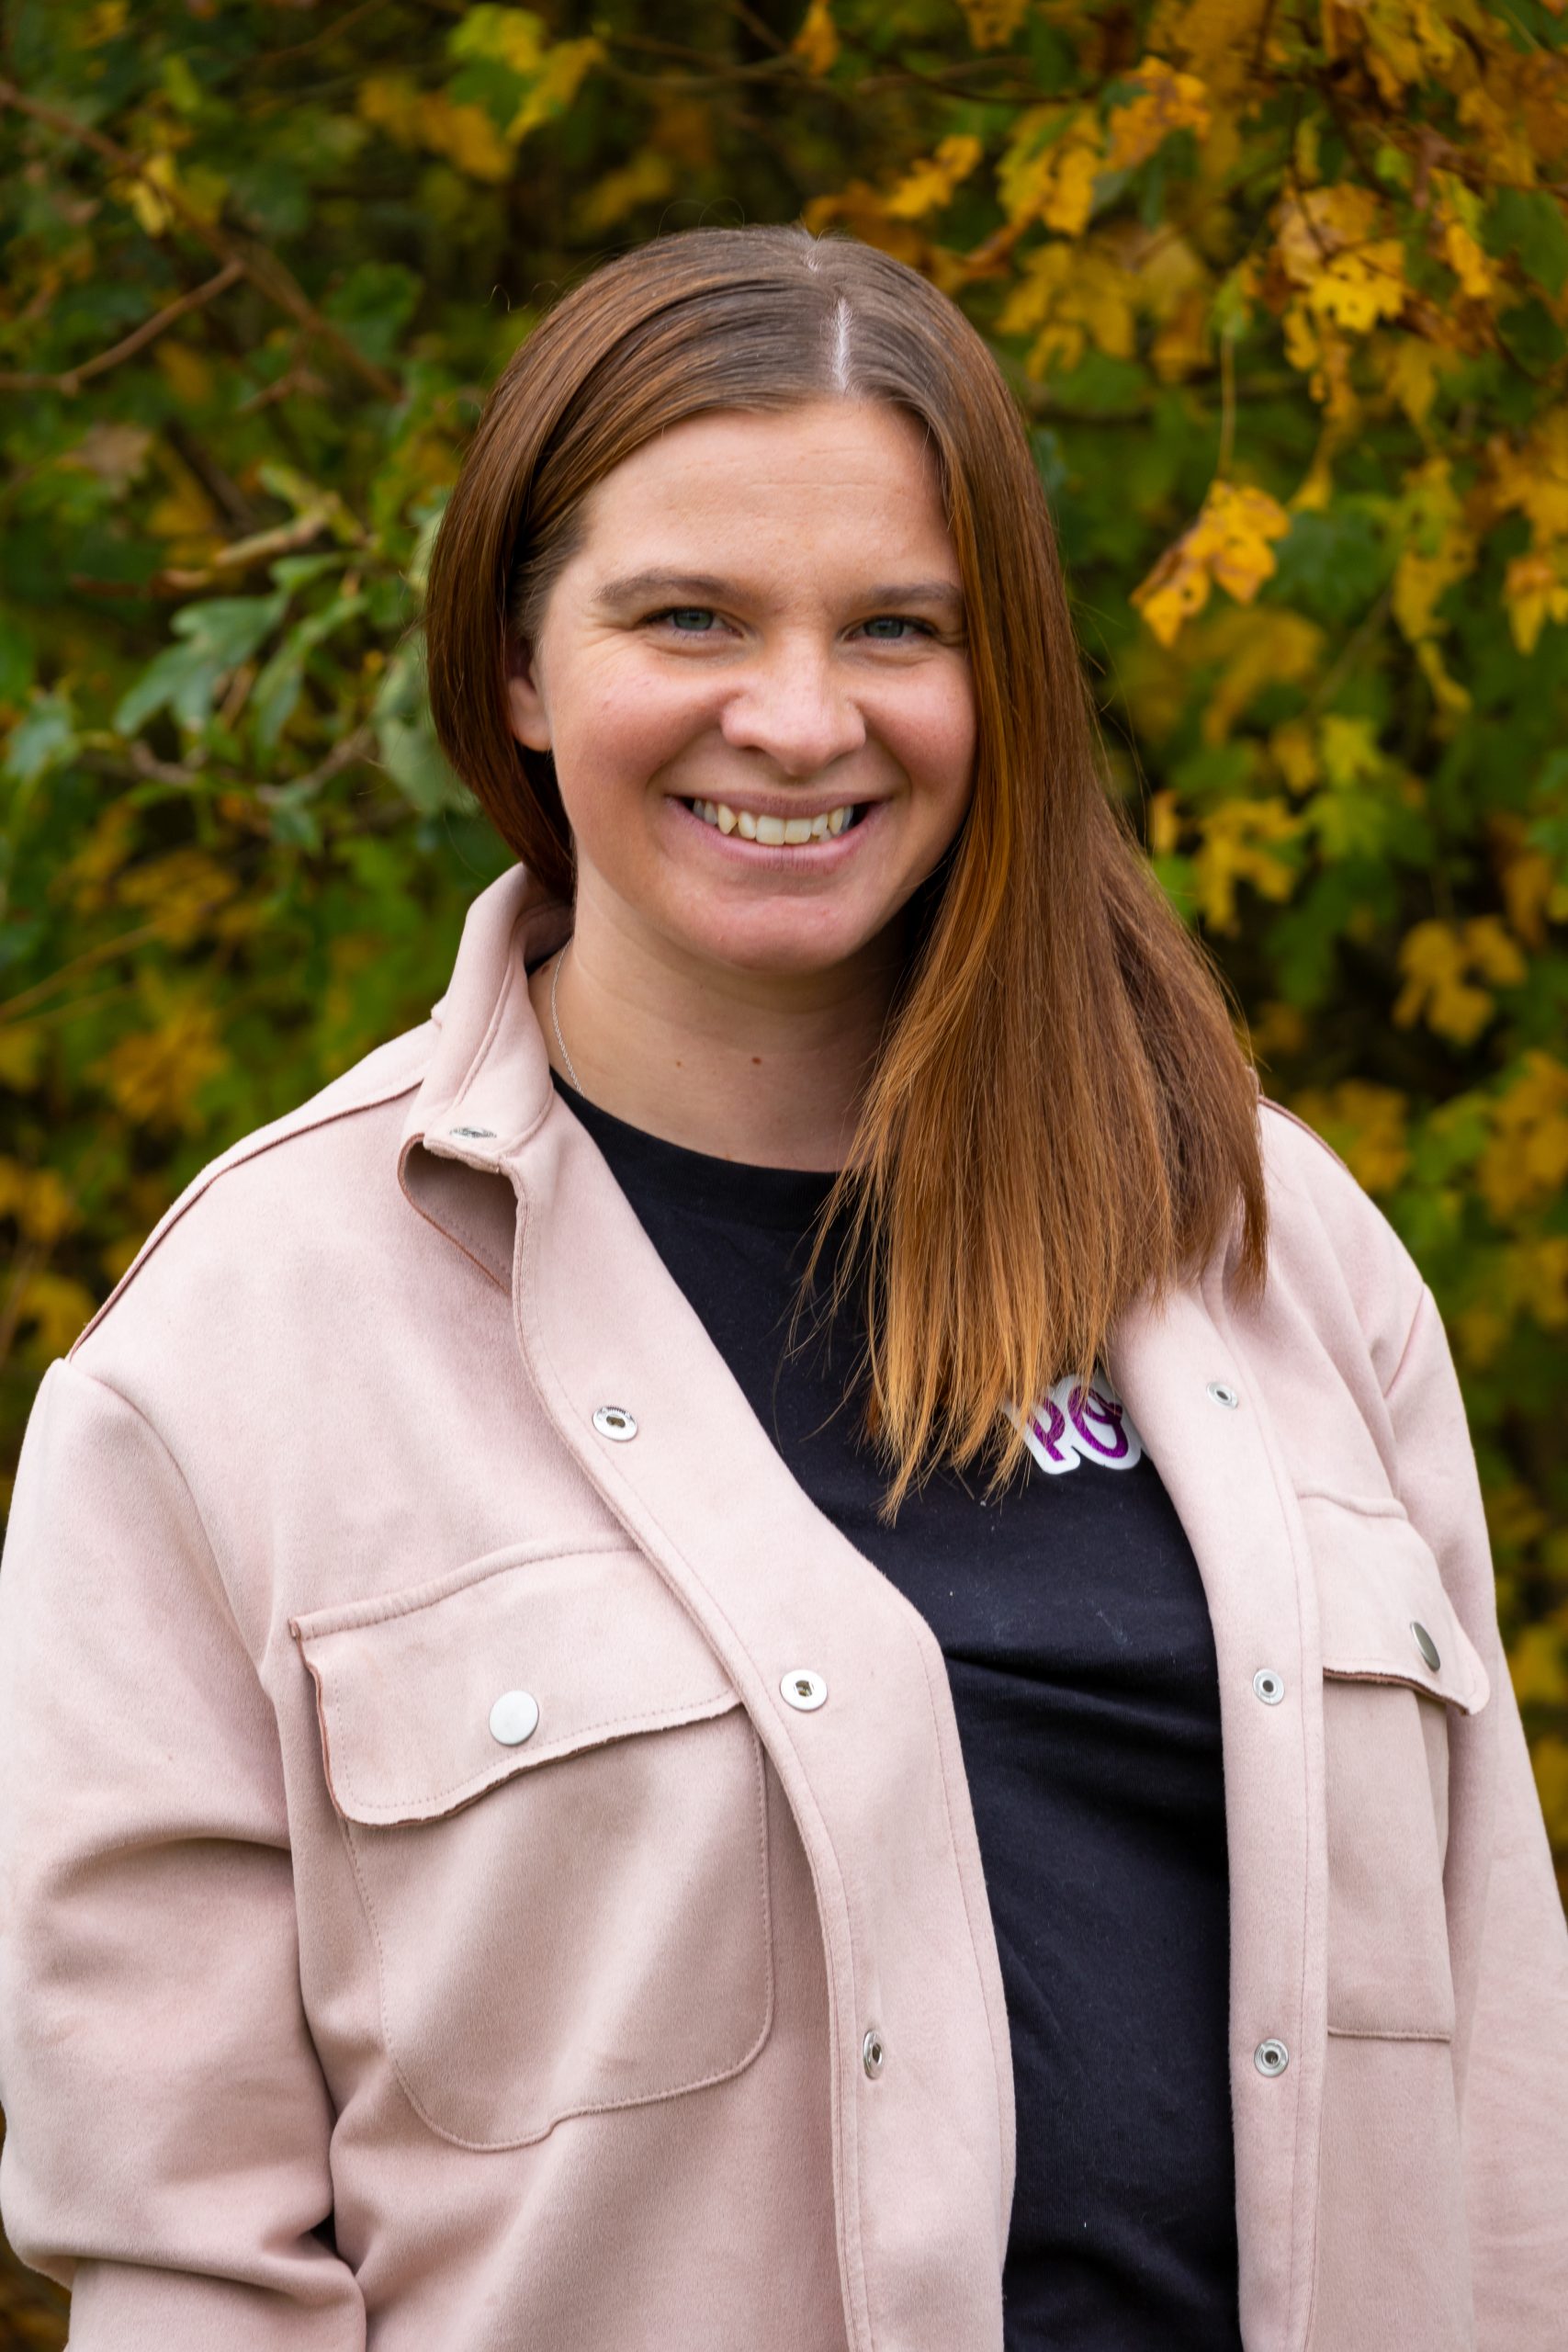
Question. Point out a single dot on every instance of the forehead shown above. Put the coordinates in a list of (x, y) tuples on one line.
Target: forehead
[(828, 472)]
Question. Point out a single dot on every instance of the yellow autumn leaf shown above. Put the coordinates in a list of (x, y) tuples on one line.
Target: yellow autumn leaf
[(1413, 372), (21, 1056), (1048, 169), (512, 37), (1293, 747), (929, 185), (54, 1309), (180, 890), (187, 372), (1242, 842), (1349, 749), (560, 76), (1332, 242), (1164, 823), (647, 179), (817, 42), (38, 1200), (1256, 650), (1368, 1125), (1167, 101), (150, 193), (466, 135), (1534, 592), (1525, 1163), (1218, 38), (1228, 545), (1440, 963), (103, 22), (993, 22), (1069, 298), (1538, 1666), (1532, 892), (1440, 548), (154, 1075)]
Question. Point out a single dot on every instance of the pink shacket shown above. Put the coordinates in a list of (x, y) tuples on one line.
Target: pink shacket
[(566, 2033)]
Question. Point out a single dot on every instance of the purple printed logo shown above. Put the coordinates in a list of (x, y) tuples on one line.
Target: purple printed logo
[(1074, 1424)]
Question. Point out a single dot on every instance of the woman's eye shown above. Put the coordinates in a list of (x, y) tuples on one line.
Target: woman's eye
[(692, 620), (892, 628)]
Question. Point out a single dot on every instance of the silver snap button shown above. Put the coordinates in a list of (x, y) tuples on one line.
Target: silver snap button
[(803, 1688), (1223, 1393), (1270, 2057), (1270, 1686), (1427, 1645), (478, 1134), (515, 1718), (614, 1421), (872, 2054)]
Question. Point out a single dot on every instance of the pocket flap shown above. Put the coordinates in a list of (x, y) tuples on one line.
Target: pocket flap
[(1384, 1613), (406, 1685)]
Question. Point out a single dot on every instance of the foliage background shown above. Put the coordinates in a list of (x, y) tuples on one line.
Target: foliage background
[(1283, 289)]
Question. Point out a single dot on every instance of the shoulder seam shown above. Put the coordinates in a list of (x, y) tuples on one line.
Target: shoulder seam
[(239, 1155), (1266, 1102)]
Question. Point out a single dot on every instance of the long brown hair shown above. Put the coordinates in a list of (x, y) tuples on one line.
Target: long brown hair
[(1060, 1118)]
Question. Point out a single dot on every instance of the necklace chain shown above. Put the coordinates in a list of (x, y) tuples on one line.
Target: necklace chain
[(555, 1021)]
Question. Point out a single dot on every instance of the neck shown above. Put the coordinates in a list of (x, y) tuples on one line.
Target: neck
[(761, 1068)]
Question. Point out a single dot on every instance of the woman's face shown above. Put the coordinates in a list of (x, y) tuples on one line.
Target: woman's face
[(753, 677)]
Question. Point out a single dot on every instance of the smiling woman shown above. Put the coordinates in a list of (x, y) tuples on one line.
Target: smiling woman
[(783, 1637), (752, 521)]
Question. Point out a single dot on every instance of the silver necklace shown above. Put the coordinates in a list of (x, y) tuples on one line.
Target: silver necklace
[(555, 1021)]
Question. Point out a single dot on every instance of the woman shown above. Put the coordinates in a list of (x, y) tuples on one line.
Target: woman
[(794, 1517)]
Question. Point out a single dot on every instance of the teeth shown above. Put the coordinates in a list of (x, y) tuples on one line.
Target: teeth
[(774, 833)]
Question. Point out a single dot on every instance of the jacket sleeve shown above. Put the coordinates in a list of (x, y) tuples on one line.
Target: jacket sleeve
[(167, 2123), (1506, 1927)]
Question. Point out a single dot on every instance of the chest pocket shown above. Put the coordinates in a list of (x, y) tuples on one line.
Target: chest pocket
[(555, 1806), (1397, 1667)]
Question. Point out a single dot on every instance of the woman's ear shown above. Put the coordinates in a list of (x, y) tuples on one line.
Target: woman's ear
[(525, 702)]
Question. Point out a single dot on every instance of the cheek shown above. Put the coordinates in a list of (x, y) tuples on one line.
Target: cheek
[(625, 724), (933, 735)]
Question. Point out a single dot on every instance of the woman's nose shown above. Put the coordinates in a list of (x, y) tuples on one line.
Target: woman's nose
[(796, 711)]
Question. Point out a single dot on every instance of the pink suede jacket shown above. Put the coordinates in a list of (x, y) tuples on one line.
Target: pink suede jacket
[(403, 1819)]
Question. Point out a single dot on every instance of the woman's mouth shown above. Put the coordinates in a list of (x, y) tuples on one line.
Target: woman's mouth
[(778, 833)]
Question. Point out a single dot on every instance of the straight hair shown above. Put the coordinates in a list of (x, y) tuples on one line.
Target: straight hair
[(1061, 1120)]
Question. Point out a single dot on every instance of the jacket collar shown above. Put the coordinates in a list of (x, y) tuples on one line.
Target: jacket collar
[(488, 1087)]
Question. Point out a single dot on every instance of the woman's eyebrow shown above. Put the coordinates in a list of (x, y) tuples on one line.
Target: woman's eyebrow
[(637, 584), (634, 585)]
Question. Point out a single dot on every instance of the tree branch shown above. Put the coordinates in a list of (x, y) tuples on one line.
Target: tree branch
[(267, 273), (71, 380)]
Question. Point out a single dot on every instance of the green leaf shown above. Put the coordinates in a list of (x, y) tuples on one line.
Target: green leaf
[(16, 660), (277, 690), (1533, 337), (373, 304), (1529, 225), (219, 634), (406, 735), (43, 737)]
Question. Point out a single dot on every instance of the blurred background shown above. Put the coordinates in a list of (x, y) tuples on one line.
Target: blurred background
[(1283, 290)]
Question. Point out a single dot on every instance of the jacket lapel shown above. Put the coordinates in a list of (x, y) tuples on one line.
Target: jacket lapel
[(1222, 1467)]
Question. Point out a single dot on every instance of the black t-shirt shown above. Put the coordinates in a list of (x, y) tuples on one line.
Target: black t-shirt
[(1081, 1661)]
